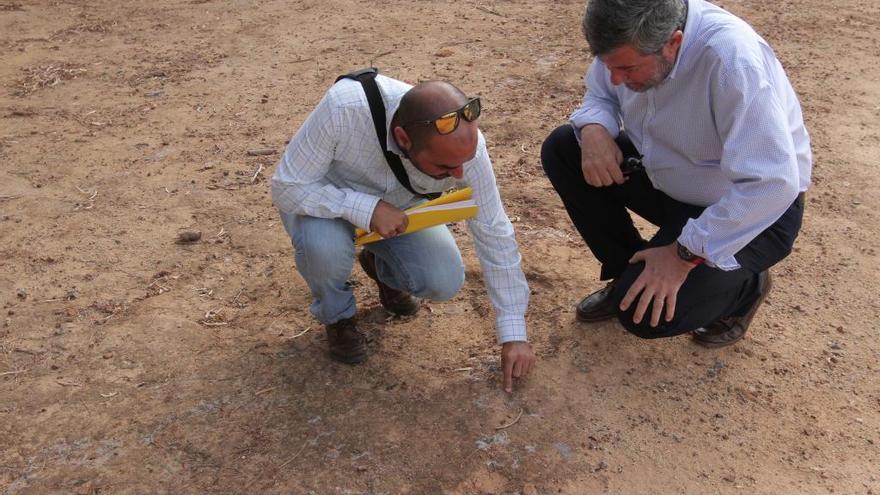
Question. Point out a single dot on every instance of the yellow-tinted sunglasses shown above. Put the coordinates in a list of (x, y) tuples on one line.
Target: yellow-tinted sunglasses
[(448, 122)]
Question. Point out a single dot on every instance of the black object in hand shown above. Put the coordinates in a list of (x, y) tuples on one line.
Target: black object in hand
[(631, 165)]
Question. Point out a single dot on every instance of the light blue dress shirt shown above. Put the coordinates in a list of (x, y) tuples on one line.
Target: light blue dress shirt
[(724, 130)]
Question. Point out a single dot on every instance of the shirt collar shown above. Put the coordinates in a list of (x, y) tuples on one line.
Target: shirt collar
[(689, 32)]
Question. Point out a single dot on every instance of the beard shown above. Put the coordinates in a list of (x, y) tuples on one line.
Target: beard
[(664, 67)]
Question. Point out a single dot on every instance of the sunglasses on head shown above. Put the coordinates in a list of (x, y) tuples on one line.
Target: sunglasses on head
[(448, 122)]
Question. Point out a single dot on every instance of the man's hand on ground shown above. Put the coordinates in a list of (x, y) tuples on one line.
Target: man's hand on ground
[(388, 220), (600, 157), (517, 358), (663, 275)]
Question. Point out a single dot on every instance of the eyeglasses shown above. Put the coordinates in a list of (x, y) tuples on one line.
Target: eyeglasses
[(448, 122)]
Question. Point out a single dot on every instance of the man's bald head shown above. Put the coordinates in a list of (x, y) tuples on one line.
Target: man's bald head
[(437, 155), (427, 101)]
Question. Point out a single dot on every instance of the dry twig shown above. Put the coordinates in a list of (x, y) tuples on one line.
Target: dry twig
[(235, 299), (205, 292), (265, 390), (214, 318), (299, 334), (257, 173), (91, 200), (508, 425), (489, 11), (14, 372)]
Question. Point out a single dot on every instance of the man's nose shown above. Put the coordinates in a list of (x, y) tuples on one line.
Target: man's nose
[(617, 77)]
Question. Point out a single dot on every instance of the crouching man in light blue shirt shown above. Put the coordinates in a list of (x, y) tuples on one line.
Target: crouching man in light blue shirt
[(690, 122)]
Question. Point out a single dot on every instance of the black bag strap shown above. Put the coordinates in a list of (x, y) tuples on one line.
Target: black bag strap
[(367, 78)]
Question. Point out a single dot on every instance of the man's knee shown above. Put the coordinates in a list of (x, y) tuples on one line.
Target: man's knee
[(322, 248), (644, 330), (442, 284), (552, 149), (323, 253)]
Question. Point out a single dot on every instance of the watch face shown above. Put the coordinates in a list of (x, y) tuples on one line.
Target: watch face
[(685, 253)]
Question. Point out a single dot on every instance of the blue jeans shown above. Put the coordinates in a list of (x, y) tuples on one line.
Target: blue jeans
[(427, 263)]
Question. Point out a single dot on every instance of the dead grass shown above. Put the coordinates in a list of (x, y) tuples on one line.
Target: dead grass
[(46, 76)]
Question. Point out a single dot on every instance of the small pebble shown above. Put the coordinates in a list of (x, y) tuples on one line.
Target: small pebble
[(188, 236), (261, 152)]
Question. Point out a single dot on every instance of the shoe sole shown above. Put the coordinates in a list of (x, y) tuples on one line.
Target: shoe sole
[(585, 319), (349, 359), (718, 345)]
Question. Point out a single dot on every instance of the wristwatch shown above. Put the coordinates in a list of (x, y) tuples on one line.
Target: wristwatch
[(686, 255)]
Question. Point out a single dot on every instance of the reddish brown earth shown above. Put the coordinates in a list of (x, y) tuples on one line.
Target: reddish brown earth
[(132, 364)]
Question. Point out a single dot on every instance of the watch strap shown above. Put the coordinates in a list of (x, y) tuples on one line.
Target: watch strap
[(685, 254)]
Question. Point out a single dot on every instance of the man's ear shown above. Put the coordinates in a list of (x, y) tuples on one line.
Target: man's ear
[(670, 49), (402, 138)]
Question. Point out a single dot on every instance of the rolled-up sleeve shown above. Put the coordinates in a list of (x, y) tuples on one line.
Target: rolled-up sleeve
[(299, 185), (497, 251), (600, 104)]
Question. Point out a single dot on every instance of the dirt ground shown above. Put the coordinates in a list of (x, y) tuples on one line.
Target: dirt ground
[(132, 364)]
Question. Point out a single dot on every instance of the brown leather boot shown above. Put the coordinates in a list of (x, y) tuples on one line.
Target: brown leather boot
[(396, 301), (347, 343)]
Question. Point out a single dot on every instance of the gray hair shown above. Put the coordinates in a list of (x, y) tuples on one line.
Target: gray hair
[(646, 25)]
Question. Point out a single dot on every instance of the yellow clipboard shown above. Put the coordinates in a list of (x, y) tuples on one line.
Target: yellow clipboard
[(451, 207)]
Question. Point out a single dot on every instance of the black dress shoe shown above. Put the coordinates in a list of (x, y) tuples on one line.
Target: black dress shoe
[(395, 301), (597, 306), (727, 331)]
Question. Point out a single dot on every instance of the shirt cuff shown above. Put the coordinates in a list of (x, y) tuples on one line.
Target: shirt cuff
[(697, 242), (360, 208), (511, 329), (578, 121)]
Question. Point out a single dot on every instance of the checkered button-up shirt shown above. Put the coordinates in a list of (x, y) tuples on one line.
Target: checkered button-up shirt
[(334, 168)]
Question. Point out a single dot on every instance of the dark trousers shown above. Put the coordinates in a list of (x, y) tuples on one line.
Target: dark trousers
[(602, 217)]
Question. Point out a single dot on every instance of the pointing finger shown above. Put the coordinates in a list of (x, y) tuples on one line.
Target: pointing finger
[(508, 378)]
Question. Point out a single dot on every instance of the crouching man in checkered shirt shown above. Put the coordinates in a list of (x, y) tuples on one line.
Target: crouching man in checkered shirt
[(334, 177)]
